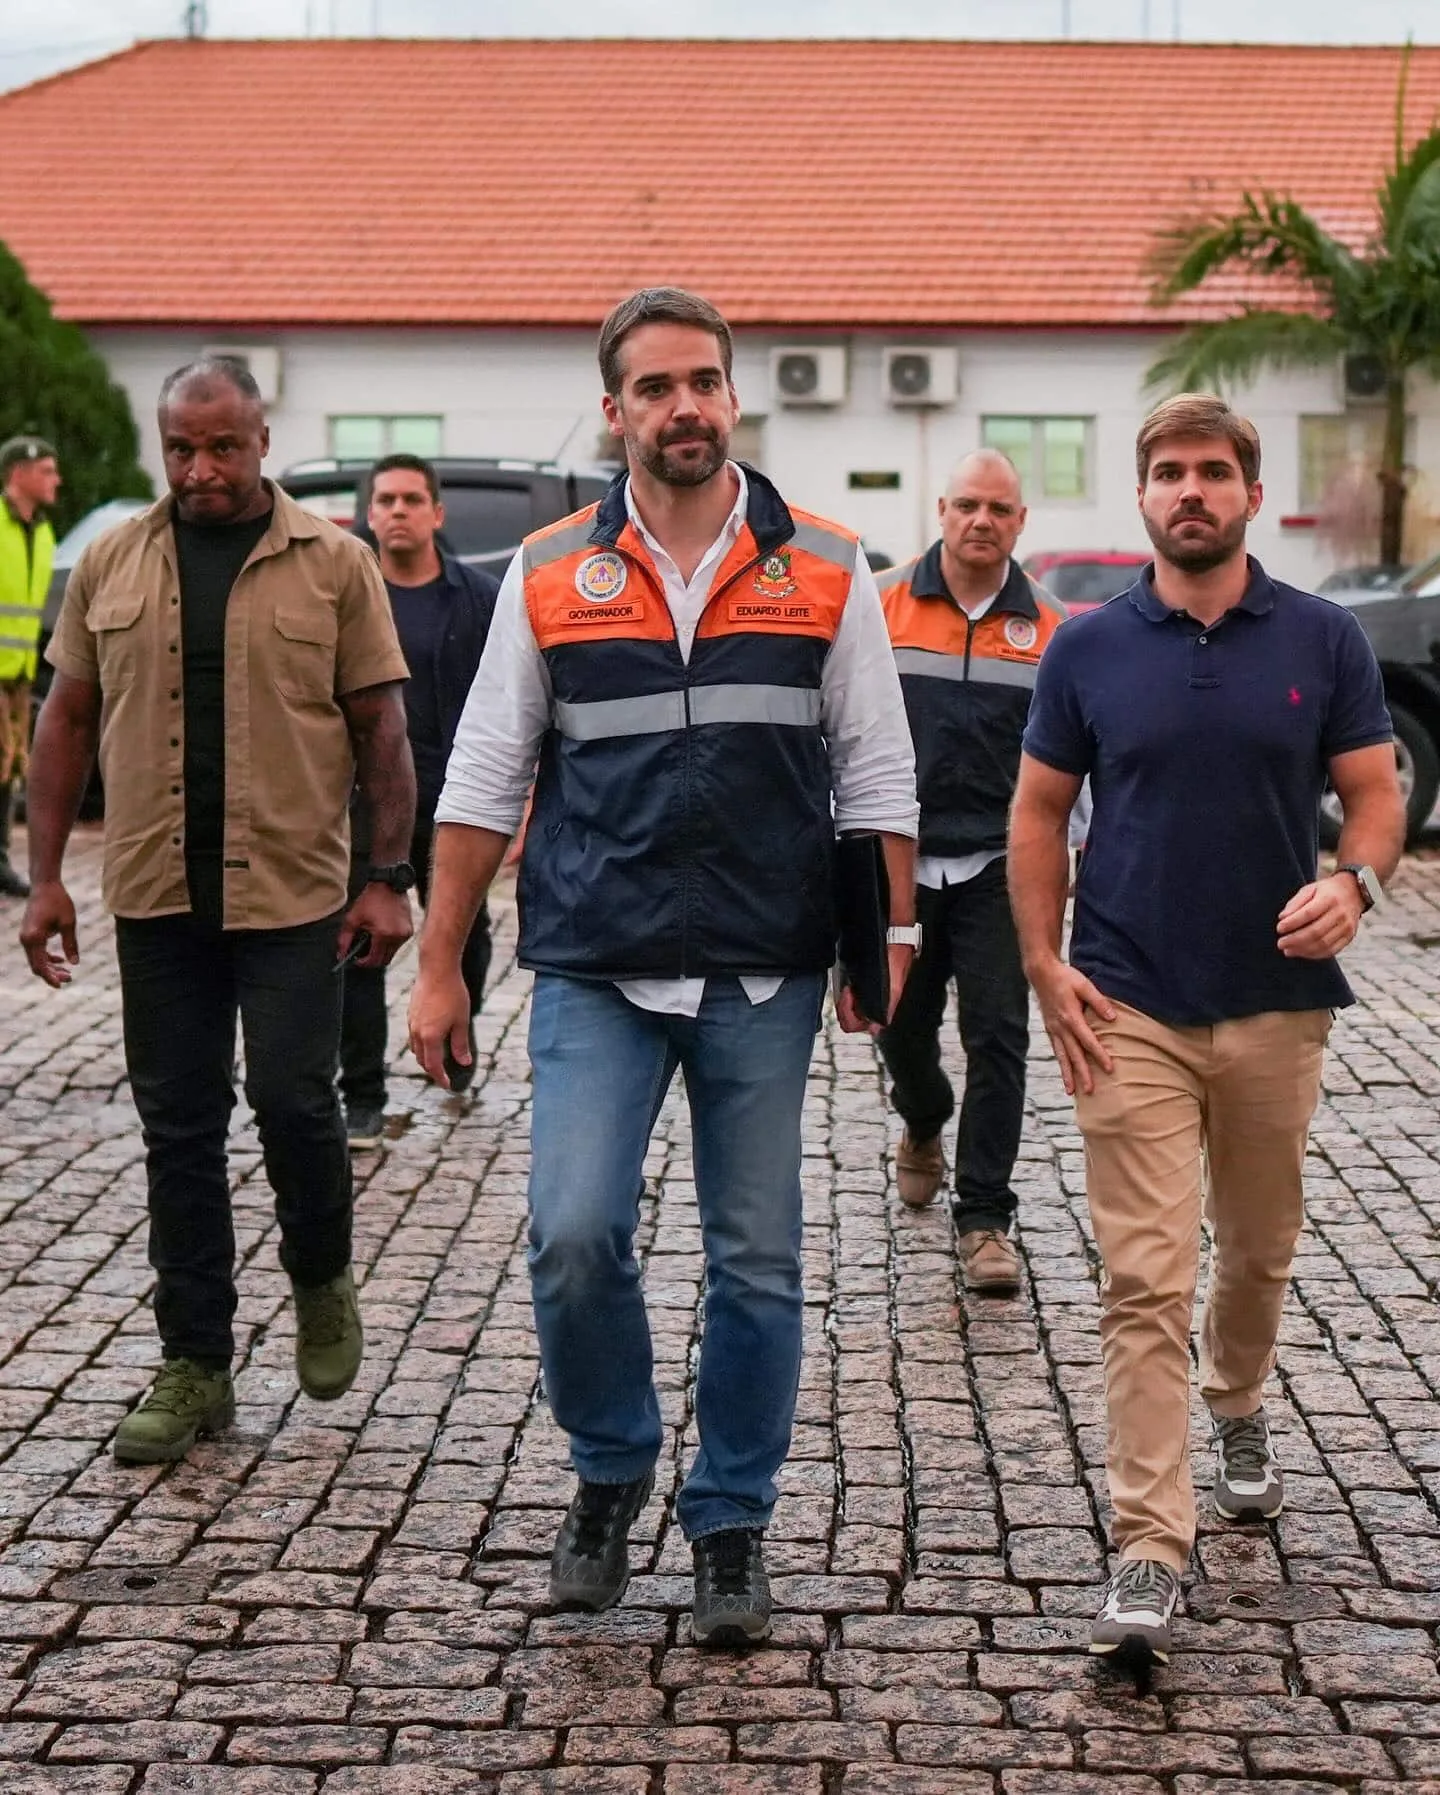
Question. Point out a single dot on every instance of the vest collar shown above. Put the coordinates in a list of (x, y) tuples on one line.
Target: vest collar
[(766, 513), (928, 581)]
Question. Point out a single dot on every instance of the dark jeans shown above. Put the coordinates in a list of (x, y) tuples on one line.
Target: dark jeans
[(183, 979), (970, 937), (364, 1026)]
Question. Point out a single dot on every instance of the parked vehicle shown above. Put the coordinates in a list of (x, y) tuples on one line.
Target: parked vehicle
[(490, 505), (1084, 578), (67, 551), (1402, 622), (1376, 576)]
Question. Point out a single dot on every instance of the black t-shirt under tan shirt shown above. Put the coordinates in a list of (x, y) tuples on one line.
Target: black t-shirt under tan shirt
[(209, 557)]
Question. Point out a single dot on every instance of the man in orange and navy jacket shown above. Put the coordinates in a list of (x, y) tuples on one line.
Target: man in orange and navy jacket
[(705, 679), (968, 628)]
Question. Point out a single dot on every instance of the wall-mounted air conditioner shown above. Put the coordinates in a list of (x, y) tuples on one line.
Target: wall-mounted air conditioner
[(1362, 380), (920, 376), (262, 360), (809, 376)]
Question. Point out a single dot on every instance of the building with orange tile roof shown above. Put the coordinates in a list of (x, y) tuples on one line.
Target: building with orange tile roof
[(417, 239)]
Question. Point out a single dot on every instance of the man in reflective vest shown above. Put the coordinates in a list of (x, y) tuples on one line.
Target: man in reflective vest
[(701, 672), (969, 628), (29, 480)]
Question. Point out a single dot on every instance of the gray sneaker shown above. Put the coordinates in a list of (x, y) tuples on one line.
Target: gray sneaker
[(590, 1562), (1248, 1484), (1133, 1625), (732, 1592)]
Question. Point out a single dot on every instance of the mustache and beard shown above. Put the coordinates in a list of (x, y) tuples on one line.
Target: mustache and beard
[(667, 460), (1195, 551)]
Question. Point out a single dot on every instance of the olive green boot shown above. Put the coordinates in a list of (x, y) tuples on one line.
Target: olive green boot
[(185, 1401), (329, 1340)]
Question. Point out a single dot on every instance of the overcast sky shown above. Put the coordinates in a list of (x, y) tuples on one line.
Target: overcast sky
[(38, 40)]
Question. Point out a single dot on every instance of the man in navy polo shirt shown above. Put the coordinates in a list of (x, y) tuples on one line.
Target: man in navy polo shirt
[(1207, 704)]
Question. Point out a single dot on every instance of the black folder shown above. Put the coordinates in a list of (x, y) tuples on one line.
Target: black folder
[(862, 910)]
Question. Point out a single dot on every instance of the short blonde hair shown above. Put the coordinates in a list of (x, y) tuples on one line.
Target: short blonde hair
[(1199, 414)]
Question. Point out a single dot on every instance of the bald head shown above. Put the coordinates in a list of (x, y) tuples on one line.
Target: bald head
[(991, 466), (212, 377), (982, 514)]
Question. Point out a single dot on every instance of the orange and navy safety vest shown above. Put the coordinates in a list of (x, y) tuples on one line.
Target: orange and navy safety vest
[(681, 823), (967, 693)]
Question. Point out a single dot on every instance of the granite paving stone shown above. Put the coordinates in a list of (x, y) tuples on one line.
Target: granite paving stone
[(350, 1599)]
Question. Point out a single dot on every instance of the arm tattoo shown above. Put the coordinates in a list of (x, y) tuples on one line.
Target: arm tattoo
[(384, 767)]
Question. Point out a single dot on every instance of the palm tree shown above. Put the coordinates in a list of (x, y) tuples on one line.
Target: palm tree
[(1377, 306)]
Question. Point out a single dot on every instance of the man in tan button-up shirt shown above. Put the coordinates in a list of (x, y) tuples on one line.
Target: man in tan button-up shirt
[(233, 660)]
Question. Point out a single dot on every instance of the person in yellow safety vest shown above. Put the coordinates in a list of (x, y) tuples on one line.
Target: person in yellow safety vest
[(29, 480)]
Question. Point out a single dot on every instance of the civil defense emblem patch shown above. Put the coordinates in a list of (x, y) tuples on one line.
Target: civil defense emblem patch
[(599, 578)]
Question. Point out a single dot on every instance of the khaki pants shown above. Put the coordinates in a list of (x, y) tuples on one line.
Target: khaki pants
[(1191, 1117), (14, 729)]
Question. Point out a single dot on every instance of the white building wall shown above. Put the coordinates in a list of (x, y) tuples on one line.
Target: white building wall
[(535, 394)]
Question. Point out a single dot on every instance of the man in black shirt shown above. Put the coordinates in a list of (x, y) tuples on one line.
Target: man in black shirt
[(442, 612), (234, 661), (209, 556)]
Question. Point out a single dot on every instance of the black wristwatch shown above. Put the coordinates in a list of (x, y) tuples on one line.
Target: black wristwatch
[(400, 877)]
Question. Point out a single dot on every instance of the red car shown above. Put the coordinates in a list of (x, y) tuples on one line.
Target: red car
[(1084, 578)]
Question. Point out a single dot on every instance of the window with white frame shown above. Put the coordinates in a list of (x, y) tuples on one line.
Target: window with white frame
[(367, 436), (1340, 445), (1052, 454)]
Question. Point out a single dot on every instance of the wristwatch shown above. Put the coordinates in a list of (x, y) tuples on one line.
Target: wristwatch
[(399, 877), (905, 934), (1370, 887)]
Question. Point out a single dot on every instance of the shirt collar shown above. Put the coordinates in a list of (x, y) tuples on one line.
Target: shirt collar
[(729, 530), (1258, 599)]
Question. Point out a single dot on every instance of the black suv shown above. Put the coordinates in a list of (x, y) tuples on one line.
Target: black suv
[(489, 505)]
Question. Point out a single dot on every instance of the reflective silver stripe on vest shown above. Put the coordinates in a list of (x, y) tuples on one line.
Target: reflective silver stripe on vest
[(794, 706), (892, 576), (660, 711), (826, 545), (559, 543), (650, 715), (25, 644), (929, 664)]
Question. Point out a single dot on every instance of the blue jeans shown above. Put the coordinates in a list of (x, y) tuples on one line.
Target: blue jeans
[(602, 1067)]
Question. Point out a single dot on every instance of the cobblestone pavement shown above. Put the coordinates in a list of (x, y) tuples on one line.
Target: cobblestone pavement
[(351, 1596)]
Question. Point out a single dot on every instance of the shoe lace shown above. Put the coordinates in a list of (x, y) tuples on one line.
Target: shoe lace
[(178, 1387), (1144, 1583), (727, 1559), (1245, 1441), (985, 1237), (595, 1508)]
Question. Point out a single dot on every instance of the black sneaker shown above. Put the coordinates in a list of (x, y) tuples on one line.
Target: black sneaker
[(590, 1563), (732, 1592), (364, 1126)]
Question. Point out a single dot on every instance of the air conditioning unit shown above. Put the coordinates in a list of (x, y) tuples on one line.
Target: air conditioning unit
[(261, 359), (920, 376), (1363, 380), (805, 376)]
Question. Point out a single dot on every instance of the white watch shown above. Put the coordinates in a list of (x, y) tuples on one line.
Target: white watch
[(906, 934)]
